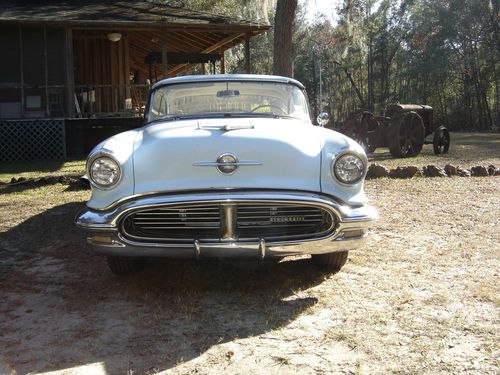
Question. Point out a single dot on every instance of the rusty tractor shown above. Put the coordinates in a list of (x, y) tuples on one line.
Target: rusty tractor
[(405, 128)]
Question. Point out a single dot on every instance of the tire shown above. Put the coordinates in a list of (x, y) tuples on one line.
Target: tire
[(406, 135), (123, 265), (366, 143), (331, 261)]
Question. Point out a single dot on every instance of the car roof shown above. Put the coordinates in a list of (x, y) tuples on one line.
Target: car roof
[(228, 77)]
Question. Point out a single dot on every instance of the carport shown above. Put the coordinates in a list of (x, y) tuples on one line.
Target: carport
[(91, 60)]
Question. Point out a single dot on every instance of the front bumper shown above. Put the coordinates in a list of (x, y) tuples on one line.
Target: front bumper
[(105, 237)]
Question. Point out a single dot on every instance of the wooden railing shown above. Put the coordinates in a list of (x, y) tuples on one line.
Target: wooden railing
[(117, 100), (90, 100)]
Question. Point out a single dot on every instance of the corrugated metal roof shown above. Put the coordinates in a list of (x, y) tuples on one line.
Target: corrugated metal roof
[(126, 12)]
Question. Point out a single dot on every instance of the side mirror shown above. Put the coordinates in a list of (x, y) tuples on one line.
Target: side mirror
[(323, 119)]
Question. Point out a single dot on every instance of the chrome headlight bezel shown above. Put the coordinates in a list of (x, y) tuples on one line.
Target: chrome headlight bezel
[(349, 153), (90, 163)]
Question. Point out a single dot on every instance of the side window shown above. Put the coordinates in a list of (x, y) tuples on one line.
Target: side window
[(298, 104)]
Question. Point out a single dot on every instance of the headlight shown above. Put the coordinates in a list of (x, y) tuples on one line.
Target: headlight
[(104, 172), (349, 168)]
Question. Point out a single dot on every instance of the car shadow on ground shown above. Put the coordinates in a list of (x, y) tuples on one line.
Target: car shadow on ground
[(63, 308)]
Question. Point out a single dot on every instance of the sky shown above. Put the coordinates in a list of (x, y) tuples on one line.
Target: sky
[(326, 7)]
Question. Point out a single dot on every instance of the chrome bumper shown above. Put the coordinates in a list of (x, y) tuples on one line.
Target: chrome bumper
[(105, 237)]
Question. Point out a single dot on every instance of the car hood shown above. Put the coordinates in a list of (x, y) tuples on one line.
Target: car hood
[(284, 153)]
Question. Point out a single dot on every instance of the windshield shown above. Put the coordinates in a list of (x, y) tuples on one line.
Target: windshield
[(230, 98)]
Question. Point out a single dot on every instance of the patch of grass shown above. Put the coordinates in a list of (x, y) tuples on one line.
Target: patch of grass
[(485, 292), (466, 150), (282, 361), (40, 169)]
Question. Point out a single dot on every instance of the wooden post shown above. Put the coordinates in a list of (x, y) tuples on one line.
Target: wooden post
[(114, 76), (247, 53), (203, 69), (105, 75), (121, 76), (96, 76), (164, 53), (127, 66), (222, 63), (70, 79)]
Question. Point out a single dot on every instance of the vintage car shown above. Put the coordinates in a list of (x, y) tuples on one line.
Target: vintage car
[(227, 166)]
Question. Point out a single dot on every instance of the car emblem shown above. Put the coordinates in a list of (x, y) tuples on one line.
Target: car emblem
[(227, 163)]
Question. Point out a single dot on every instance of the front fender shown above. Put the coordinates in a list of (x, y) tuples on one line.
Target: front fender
[(335, 144)]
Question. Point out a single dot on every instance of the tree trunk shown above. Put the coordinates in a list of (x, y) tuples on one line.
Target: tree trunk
[(283, 31), (370, 72)]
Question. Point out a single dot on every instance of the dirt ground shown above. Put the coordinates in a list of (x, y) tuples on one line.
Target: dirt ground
[(421, 297)]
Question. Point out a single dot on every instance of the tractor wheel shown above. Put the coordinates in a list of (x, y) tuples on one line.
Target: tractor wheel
[(441, 141), (364, 140), (407, 135), (365, 131)]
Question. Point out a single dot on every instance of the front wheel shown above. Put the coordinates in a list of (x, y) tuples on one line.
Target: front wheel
[(331, 261), (123, 265)]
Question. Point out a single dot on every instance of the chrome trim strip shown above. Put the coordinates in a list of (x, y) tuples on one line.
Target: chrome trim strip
[(215, 164), (154, 194), (225, 127), (228, 77)]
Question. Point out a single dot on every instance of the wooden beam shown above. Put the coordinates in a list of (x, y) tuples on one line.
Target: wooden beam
[(186, 40), (105, 25), (201, 38), (212, 48), (222, 43)]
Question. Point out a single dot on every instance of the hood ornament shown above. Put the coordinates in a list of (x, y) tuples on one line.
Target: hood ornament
[(226, 163)]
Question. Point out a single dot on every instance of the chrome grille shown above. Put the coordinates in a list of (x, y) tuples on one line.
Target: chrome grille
[(222, 222), (280, 221), (180, 223)]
